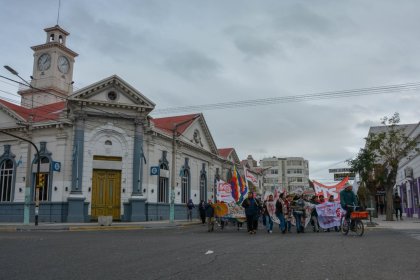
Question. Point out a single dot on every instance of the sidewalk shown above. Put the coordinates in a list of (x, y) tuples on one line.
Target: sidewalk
[(406, 223), (13, 227)]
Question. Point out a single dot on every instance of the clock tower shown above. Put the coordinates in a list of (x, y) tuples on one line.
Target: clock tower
[(52, 78)]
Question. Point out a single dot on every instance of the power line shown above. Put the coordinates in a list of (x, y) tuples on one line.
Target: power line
[(292, 98)]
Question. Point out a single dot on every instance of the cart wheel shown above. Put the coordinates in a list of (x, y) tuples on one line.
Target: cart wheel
[(358, 227)]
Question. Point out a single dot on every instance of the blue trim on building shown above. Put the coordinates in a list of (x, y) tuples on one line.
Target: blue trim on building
[(138, 159), (77, 162)]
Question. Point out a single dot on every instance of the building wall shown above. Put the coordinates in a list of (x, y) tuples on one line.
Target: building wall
[(409, 187), (283, 175)]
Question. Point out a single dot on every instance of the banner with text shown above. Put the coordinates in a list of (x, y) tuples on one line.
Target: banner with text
[(326, 191), (224, 192), (329, 214)]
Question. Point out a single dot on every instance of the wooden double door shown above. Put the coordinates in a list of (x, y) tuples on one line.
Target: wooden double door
[(106, 194)]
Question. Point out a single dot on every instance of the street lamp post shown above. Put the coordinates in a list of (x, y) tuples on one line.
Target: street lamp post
[(172, 196), (37, 181)]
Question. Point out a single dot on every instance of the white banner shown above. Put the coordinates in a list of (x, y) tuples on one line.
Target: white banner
[(329, 214), (250, 177), (224, 192), (271, 208)]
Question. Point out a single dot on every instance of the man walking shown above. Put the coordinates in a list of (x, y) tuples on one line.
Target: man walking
[(252, 209)]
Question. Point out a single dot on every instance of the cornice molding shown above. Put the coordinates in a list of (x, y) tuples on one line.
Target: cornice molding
[(54, 45)]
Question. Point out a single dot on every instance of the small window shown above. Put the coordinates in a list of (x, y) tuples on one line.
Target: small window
[(108, 142), (52, 38), (60, 39), (112, 95)]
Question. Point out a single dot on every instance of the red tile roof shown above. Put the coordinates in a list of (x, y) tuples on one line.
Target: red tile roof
[(168, 123), (43, 113), (225, 152)]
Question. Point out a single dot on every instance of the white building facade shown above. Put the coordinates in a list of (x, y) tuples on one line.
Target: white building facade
[(408, 177), (100, 153)]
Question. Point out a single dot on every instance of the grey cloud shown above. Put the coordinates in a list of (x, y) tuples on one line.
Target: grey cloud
[(109, 37), (191, 65), (251, 41), (367, 124), (303, 20)]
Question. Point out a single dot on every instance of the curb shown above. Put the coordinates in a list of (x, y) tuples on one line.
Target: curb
[(53, 228), (104, 228)]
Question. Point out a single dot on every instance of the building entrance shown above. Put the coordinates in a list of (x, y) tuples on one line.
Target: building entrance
[(106, 193)]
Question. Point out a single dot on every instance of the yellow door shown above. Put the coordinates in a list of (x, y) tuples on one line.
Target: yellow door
[(106, 193)]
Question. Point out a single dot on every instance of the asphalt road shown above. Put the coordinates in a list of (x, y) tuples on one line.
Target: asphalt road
[(181, 254)]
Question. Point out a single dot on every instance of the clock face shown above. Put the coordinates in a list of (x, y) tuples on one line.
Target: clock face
[(44, 62), (63, 64)]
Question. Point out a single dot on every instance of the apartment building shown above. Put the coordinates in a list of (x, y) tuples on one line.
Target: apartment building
[(285, 173)]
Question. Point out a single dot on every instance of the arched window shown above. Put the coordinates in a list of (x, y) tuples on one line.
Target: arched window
[(203, 187), (6, 180), (52, 38), (203, 183), (185, 186), (163, 189), (60, 39)]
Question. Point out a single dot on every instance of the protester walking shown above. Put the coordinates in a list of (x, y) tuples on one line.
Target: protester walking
[(252, 209), (314, 214), (298, 207), (280, 205), (287, 212), (266, 214), (209, 209)]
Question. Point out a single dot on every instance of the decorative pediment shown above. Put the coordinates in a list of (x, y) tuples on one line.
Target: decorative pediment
[(9, 117), (198, 134), (113, 92), (191, 129)]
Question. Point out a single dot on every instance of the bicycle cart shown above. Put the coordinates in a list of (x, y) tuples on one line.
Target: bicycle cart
[(355, 223)]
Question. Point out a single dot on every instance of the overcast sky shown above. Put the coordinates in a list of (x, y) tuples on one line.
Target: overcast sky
[(192, 52)]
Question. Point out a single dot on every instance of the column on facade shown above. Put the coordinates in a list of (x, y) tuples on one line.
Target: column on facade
[(138, 155), (78, 148)]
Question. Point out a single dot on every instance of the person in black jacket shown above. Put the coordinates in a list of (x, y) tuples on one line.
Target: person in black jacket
[(279, 213), (314, 214), (252, 211), (210, 215), (202, 210)]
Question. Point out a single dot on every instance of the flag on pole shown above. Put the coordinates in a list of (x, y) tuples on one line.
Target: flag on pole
[(250, 177), (239, 187)]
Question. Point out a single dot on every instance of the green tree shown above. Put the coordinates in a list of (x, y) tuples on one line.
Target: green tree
[(377, 163)]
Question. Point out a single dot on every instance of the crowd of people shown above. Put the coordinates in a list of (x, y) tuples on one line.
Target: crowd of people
[(289, 211)]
